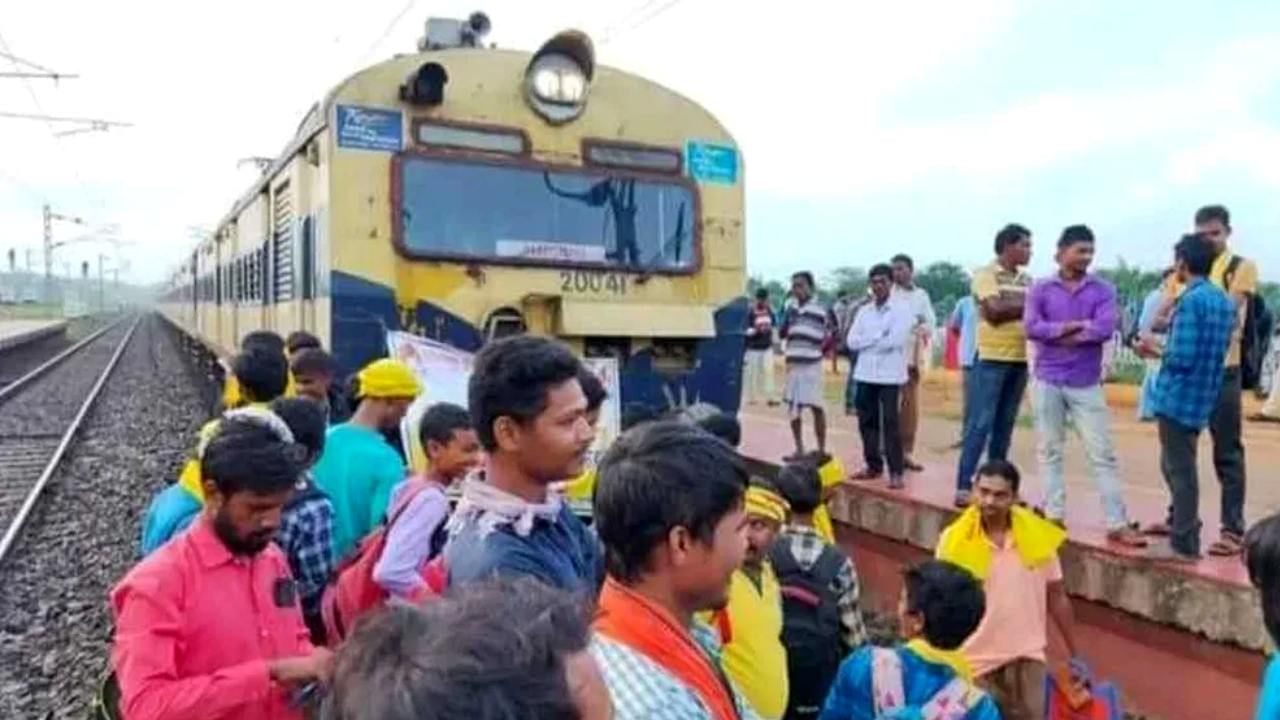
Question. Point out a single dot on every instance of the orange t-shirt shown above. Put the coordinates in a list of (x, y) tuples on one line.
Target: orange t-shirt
[(1016, 623)]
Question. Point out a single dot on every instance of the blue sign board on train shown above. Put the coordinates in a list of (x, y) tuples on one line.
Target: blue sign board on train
[(366, 128), (711, 163)]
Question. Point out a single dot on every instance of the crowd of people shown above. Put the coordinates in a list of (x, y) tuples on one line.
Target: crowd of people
[(297, 568), (1198, 333)]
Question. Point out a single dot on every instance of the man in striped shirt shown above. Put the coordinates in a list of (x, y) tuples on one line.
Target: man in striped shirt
[(807, 325)]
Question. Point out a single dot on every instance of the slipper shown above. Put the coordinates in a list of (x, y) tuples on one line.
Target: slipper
[(1263, 418), (1164, 552), (865, 474), (962, 499), (1159, 529), (913, 466), (1226, 546), (1127, 537)]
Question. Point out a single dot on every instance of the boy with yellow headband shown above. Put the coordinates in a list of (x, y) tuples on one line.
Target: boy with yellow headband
[(750, 626), (359, 468)]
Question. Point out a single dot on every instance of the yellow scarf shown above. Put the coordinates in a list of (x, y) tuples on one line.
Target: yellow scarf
[(831, 474), (953, 659), (191, 479), (964, 543)]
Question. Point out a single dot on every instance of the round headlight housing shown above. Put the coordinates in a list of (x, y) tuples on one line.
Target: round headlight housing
[(558, 79)]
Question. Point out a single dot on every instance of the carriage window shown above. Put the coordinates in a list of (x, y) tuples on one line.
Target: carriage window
[(546, 217)]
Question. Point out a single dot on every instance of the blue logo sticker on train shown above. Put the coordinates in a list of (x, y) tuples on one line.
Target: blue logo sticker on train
[(365, 128), (711, 163)]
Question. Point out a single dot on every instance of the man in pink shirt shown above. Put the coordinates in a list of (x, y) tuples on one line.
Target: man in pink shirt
[(1014, 552), (209, 626)]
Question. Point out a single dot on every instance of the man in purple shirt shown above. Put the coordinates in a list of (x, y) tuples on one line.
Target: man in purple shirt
[(1070, 316)]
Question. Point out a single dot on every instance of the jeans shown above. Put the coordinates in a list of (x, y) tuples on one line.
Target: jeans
[(850, 391), (995, 395), (1086, 408), (759, 375), (879, 424), (1178, 464), (1228, 451)]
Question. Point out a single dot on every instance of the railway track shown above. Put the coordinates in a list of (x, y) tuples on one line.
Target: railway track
[(40, 414)]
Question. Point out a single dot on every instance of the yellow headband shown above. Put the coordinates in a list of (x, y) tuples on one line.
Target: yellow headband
[(387, 379), (767, 504)]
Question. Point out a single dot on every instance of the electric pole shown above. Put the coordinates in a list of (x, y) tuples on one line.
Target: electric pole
[(49, 217)]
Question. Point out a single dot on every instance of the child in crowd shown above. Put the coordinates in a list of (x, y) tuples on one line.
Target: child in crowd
[(821, 619), (1262, 557)]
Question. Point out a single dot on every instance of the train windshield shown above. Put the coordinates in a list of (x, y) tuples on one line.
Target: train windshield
[(451, 209)]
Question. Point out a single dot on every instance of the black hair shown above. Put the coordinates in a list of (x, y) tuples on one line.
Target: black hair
[(1196, 252), (762, 293), (301, 340), (441, 421), (806, 276), (1073, 234), (903, 258), (949, 599), (511, 378), (1010, 234), (306, 421), (1262, 558), (660, 476), (450, 659), (880, 270), (313, 361), (244, 455), (637, 413), (724, 426), (592, 388), (1209, 213), (1164, 274), (801, 485), (263, 374), (264, 339), (1001, 469)]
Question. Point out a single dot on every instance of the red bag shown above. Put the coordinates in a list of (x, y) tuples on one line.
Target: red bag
[(1075, 696), (352, 591)]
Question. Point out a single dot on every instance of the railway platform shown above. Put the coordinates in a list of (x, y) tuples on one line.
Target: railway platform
[(15, 333), (1139, 622)]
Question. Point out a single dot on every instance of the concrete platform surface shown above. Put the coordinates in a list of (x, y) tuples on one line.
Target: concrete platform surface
[(14, 333)]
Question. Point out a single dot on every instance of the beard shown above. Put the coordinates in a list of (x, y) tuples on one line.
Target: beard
[(244, 546)]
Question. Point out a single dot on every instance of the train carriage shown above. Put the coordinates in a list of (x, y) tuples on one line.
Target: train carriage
[(464, 193)]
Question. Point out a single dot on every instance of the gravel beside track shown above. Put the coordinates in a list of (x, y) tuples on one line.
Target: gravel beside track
[(55, 625)]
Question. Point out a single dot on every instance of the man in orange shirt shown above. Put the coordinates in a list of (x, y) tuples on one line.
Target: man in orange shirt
[(209, 626), (1015, 553)]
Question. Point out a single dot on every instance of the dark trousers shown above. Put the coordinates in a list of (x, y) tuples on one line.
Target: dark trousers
[(880, 427), (1178, 464), (1228, 451), (993, 395)]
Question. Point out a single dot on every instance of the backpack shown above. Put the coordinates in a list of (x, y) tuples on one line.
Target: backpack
[(952, 702), (1255, 341), (811, 629), (1075, 695), (352, 591)]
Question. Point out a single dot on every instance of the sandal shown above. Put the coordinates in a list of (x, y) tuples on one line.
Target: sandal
[(1227, 545), (865, 474), (1127, 537), (1158, 529), (1263, 418), (963, 499)]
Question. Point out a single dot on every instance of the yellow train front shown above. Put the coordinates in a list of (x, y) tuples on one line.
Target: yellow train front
[(464, 193)]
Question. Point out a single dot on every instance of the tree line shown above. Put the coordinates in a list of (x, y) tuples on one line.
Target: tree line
[(947, 282)]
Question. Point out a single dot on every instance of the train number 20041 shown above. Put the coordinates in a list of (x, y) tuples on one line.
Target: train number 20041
[(592, 281)]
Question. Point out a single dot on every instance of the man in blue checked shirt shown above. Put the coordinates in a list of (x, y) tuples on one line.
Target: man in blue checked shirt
[(306, 523), (1187, 389)]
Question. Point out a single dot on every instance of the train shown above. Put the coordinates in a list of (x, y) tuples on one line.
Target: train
[(464, 193)]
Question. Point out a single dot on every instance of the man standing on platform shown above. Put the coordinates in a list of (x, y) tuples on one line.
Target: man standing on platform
[(807, 325), (1069, 316), (924, 321), (1188, 391), (759, 357), (880, 337), (1238, 277), (964, 320), (1000, 376)]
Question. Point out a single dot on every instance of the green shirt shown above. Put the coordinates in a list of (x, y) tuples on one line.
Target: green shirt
[(357, 471)]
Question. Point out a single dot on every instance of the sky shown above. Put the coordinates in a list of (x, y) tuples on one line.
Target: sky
[(867, 128)]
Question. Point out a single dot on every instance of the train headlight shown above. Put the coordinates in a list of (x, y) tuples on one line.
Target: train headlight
[(558, 78)]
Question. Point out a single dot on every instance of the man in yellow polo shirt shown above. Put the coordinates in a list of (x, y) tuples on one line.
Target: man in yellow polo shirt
[(750, 626), (1238, 276), (1000, 375)]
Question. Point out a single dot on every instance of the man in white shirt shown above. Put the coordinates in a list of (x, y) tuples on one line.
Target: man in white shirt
[(924, 320), (880, 336)]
